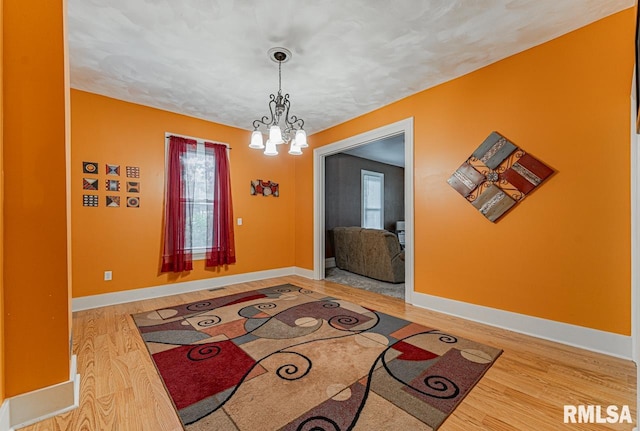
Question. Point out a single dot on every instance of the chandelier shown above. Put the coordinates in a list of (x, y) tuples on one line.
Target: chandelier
[(281, 127)]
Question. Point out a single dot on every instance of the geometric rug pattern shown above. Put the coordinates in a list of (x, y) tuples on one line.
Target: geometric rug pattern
[(288, 358)]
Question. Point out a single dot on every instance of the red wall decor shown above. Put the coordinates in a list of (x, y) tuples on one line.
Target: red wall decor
[(265, 188)]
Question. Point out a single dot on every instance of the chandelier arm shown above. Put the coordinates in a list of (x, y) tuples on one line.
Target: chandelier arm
[(296, 123), (292, 121), (265, 120), (274, 113), (286, 133)]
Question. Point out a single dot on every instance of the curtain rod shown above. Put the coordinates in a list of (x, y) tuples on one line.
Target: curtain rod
[(167, 135)]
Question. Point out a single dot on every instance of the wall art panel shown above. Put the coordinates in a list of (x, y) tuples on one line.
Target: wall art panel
[(497, 176)]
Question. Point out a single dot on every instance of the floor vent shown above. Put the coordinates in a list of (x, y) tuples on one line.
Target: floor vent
[(216, 288)]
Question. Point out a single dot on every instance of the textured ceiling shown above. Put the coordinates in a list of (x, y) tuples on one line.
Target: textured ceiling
[(208, 58), (389, 150)]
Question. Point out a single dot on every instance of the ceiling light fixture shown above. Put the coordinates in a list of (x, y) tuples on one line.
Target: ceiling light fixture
[(281, 127)]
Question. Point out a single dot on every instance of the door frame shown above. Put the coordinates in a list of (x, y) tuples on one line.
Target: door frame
[(635, 243), (319, 154)]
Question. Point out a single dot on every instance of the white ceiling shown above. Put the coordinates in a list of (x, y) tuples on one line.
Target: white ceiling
[(208, 58), (389, 150)]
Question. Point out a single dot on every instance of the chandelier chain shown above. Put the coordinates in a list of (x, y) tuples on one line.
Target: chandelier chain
[(279, 77)]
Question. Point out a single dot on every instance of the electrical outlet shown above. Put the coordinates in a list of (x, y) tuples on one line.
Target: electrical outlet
[(107, 276)]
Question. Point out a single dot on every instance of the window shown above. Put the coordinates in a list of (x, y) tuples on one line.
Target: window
[(198, 209), (199, 166), (372, 199)]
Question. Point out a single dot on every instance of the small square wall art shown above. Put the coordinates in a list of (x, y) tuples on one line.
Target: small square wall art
[(113, 201), (89, 167), (89, 200), (90, 183), (112, 185), (113, 169), (497, 176), (133, 187), (133, 202), (133, 172)]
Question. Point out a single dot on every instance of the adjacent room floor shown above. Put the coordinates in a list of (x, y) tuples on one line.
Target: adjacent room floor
[(526, 389), (340, 276)]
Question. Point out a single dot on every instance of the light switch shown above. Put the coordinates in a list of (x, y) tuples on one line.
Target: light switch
[(239, 221)]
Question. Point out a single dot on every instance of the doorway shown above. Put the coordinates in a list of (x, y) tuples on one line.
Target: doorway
[(401, 127)]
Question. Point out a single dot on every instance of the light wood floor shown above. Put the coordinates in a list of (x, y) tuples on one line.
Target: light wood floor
[(525, 389)]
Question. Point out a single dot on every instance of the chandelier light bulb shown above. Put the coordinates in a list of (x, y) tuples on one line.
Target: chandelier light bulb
[(294, 149), (271, 149), (256, 140), (275, 135), (301, 139)]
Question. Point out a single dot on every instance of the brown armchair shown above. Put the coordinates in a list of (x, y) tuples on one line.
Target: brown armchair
[(374, 253)]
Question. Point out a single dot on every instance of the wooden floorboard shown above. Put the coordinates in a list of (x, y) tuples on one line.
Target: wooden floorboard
[(525, 389)]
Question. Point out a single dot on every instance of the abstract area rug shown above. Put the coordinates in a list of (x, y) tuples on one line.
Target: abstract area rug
[(287, 358)]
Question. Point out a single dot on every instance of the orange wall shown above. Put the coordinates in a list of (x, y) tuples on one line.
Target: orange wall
[(564, 252), (127, 241), (36, 323)]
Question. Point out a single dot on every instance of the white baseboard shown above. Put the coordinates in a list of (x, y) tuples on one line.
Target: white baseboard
[(102, 300), (572, 335), (330, 262), (5, 420), (26, 409), (306, 273)]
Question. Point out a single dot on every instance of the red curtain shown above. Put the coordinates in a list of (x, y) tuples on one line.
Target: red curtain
[(176, 255), (222, 250)]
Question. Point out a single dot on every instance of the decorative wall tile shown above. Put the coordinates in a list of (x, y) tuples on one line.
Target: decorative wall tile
[(113, 169), (113, 201), (90, 183), (133, 172), (133, 187), (465, 179), (493, 202), (497, 176), (527, 173), (494, 150), (112, 185), (133, 202), (89, 200), (89, 167)]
